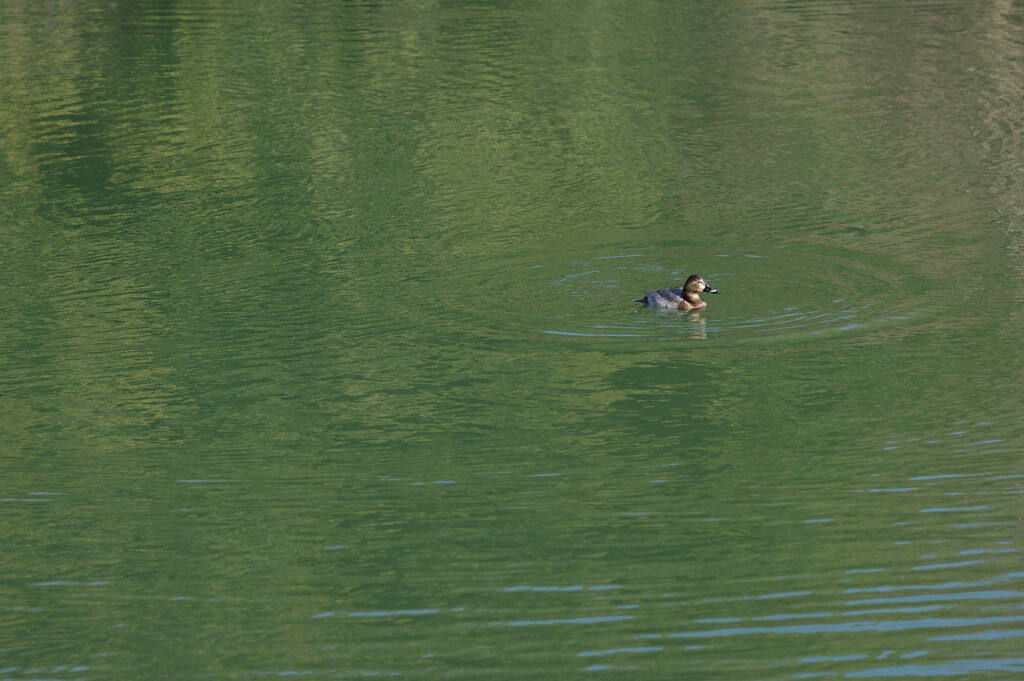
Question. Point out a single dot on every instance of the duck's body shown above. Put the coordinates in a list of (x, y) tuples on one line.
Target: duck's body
[(685, 297)]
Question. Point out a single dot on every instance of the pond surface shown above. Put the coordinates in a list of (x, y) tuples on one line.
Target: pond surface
[(318, 354)]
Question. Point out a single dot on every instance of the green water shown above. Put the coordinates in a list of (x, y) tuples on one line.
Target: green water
[(318, 356)]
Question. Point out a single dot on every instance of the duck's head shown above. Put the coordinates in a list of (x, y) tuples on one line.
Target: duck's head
[(696, 284)]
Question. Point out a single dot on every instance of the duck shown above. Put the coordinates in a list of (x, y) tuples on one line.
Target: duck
[(675, 298)]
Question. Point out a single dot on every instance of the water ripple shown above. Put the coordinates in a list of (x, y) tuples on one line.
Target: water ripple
[(773, 296)]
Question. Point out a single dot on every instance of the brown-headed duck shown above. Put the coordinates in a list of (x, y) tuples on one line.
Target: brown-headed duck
[(675, 298)]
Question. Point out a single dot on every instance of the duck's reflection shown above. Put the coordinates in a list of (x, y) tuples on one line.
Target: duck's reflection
[(701, 332)]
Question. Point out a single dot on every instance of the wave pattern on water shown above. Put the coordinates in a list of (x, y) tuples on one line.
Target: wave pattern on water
[(766, 298)]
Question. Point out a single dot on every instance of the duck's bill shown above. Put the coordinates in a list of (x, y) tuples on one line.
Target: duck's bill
[(708, 289)]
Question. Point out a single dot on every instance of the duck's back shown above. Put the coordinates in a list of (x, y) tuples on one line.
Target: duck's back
[(663, 297)]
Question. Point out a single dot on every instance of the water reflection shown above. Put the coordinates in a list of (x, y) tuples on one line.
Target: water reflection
[(318, 340)]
